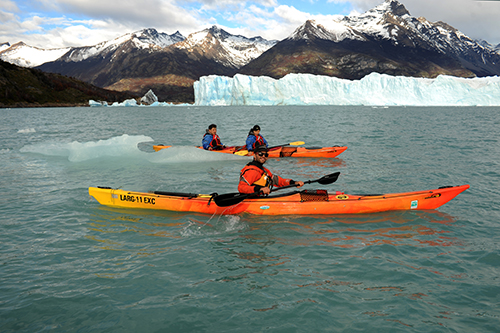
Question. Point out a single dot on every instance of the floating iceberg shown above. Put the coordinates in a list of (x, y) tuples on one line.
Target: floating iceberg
[(93, 103), (374, 89), (125, 145), (150, 98), (127, 102)]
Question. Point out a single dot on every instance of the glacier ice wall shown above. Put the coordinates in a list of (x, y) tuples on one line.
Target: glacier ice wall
[(374, 89)]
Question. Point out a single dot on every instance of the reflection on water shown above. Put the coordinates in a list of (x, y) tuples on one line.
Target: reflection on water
[(413, 229), (417, 228)]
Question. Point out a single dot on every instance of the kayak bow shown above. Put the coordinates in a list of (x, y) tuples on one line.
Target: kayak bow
[(306, 202)]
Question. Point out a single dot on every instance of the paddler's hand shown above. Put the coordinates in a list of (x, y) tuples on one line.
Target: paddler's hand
[(299, 184), (265, 190)]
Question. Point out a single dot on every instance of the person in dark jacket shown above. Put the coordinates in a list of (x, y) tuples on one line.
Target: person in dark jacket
[(254, 139), (211, 141)]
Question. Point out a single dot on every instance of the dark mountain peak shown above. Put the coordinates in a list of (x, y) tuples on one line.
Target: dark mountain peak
[(310, 25), (395, 7), (19, 44), (388, 11), (215, 29), (218, 33), (152, 32), (153, 37), (311, 30), (223, 35), (177, 35)]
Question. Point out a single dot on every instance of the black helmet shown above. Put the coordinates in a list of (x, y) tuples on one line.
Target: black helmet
[(260, 148)]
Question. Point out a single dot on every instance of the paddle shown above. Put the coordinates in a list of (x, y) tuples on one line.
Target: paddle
[(229, 199), (296, 143)]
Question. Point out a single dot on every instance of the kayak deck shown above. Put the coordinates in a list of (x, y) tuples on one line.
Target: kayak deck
[(284, 151), (307, 202)]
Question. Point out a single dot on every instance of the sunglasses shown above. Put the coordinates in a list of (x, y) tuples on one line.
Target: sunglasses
[(263, 154)]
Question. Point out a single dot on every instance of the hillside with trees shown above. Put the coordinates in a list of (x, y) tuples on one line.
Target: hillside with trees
[(28, 87)]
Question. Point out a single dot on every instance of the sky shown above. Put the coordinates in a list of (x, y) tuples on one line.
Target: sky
[(64, 23)]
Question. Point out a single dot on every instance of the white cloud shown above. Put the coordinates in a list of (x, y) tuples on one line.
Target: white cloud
[(161, 14), (94, 21), (88, 22), (273, 23), (225, 4)]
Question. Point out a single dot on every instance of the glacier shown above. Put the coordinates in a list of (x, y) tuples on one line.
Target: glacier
[(373, 90)]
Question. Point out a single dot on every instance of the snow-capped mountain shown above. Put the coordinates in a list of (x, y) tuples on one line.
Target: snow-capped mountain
[(385, 39), (136, 61), (380, 21), (28, 56), (225, 48), (230, 50), (147, 39), (391, 21)]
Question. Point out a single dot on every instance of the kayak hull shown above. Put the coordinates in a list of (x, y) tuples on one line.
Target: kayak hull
[(299, 203), (285, 151)]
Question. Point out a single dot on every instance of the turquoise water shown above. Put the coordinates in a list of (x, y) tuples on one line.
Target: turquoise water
[(69, 264)]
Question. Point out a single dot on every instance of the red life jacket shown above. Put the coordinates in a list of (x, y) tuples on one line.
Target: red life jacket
[(259, 141), (215, 141)]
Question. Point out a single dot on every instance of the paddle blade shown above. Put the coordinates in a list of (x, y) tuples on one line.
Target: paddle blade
[(241, 153), (296, 143), (230, 199), (329, 179)]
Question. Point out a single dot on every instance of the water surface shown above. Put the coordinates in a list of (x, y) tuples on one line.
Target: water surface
[(69, 264)]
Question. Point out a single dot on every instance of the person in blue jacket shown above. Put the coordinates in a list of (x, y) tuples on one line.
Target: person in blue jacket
[(254, 139), (211, 141)]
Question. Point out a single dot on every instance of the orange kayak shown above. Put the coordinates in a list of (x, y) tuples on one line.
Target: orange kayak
[(306, 202), (283, 151)]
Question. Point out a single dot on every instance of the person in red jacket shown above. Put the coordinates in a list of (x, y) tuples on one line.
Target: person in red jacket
[(255, 178)]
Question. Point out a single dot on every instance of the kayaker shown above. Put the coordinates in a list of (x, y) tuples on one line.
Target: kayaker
[(211, 141), (254, 138), (255, 178)]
